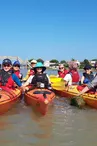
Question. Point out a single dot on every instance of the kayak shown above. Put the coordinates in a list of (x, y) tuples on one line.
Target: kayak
[(39, 99), (55, 79), (90, 97), (8, 97)]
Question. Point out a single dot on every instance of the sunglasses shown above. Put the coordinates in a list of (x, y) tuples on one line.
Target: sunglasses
[(16, 66), (61, 67), (8, 65)]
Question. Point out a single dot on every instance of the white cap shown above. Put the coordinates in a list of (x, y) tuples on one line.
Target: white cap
[(33, 61)]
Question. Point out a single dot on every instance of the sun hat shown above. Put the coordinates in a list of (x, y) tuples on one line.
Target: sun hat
[(16, 63), (6, 61), (33, 61), (40, 65), (87, 67)]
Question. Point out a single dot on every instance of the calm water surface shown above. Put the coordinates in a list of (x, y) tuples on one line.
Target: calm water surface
[(63, 125)]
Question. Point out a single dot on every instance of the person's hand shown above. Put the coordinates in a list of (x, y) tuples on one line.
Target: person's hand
[(25, 88)]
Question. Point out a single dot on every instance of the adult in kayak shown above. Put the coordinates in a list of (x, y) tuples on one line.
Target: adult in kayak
[(72, 77), (40, 79), (30, 71), (16, 69), (7, 77), (62, 71)]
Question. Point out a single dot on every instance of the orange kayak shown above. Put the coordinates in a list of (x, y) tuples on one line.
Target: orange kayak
[(90, 97), (39, 99), (8, 98)]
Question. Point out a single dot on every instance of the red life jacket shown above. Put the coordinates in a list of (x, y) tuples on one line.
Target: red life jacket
[(75, 76), (63, 74), (6, 79), (31, 72)]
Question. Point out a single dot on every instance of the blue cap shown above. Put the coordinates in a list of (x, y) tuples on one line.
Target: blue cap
[(16, 63), (6, 61)]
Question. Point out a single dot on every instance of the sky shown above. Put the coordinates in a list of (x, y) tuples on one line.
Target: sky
[(49, 29)]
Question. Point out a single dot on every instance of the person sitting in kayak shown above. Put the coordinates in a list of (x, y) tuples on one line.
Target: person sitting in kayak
[(31, 71), (87, 75), (40, 79), (7, 77), (16, 69), (72, 77), (90, 85), (62, 71)]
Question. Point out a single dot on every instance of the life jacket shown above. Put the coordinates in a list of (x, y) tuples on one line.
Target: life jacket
[(75, 76), (62, 74), (40, 78), (6, 79), (18, 74), (88, 78), (31, 72)]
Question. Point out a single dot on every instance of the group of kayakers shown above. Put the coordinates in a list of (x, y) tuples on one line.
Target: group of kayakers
[(10, 75), (71, 76)]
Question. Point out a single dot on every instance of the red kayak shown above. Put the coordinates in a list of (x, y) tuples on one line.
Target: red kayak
[(39, 99), (8, 97)]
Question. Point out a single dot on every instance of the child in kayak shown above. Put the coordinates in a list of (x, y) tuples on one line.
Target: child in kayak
[(40, 79), (31, 71), (90, 85), (87, 75), (16, 69)]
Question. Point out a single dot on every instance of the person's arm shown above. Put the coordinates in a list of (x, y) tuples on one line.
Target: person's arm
[(83, 91), (82, 79), (48, 78), (68, 79), (27, 76), (28, 81), (88, 87), (16, 80)]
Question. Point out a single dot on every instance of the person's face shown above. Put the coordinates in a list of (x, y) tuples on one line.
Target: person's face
[(61, 68), (96, 67), (88, 71), (39, 70), (7, 67), (16, 67), (33, 64)]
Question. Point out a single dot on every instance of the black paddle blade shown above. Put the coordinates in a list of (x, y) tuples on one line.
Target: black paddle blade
[(77, 101)]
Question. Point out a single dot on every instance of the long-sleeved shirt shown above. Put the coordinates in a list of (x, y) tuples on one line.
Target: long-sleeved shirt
[(16, 80)]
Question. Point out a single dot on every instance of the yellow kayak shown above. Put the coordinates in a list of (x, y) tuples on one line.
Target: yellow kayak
[(90, 98), (55, 79)]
